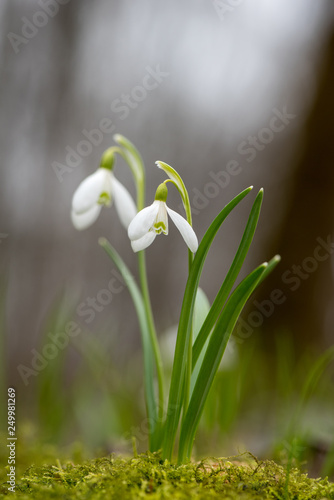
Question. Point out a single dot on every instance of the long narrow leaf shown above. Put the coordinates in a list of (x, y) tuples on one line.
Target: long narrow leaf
[(215, 351), (183, 335), (229, 279), (147, 348), (213, 357), (270, 267)]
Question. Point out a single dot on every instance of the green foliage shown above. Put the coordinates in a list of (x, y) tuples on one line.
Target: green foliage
[(184, 336), (188, 393), (147, 476)]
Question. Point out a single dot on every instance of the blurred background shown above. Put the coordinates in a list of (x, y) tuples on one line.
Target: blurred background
[(229, 93)]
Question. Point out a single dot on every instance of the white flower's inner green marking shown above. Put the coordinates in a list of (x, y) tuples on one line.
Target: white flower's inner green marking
[(104, 199), (160, 227)]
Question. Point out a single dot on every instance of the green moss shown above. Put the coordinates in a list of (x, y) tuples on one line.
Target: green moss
[(146, 476)]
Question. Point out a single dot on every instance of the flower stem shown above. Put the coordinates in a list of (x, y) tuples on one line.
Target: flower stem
[(149, 366), (176, 179), (152, 330)]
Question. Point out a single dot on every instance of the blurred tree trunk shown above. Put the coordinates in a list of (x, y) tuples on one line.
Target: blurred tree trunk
[(305, 235)]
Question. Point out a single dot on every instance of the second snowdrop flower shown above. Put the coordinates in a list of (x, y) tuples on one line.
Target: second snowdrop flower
[(153, 220), (98, 189)]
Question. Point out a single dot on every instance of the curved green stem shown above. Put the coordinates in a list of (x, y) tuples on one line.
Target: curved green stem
[(176, 179)]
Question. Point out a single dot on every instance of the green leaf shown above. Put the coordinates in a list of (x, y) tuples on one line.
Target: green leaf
[(271, 266), (145, 335), (229, 279), (213, 357), (184, 330)]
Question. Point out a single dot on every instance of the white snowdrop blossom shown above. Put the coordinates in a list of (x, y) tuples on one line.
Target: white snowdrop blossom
[(98, 189), (153, 220)]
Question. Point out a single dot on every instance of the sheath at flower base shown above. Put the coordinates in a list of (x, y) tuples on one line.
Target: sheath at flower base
[(98, 189), (153, 220)]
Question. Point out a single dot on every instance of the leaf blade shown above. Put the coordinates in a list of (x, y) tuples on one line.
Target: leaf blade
[(213, 356), (230, 278), (183, 336)]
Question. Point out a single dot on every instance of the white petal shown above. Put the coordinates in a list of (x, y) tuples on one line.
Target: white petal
[(143, 242), (143, 221), (90, 189), (124, 203), (86, 219), (187, 232)]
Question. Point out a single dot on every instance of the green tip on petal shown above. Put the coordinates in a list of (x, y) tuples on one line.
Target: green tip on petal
[(108, 159), (161, 193), (104, 199), (160, 227)]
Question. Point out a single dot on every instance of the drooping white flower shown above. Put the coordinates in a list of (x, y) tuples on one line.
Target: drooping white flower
[(153, 220), (98, 189)]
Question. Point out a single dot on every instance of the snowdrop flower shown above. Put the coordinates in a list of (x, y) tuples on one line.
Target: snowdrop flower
[(98, 189), (153, 220)]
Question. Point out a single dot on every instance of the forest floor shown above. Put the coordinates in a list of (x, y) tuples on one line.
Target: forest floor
[(147, 476)]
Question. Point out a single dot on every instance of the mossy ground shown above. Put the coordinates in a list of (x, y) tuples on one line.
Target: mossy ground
[(147, 476)]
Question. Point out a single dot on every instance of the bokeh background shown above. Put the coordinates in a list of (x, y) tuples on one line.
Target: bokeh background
[(245, 81)]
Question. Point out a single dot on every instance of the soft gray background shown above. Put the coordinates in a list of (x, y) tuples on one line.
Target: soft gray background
[(225, 77)]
